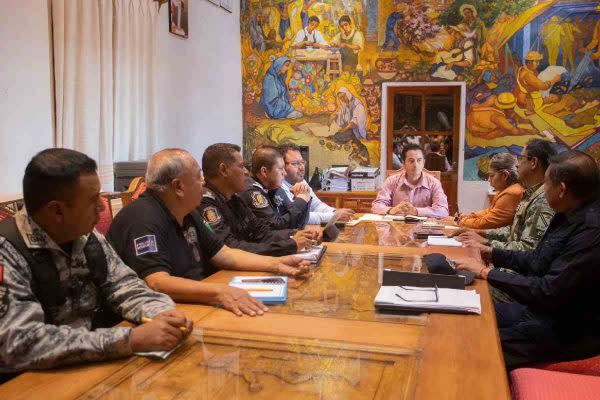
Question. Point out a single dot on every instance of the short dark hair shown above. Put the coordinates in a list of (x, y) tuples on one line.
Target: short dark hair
[(51, 174), (578, 171), (284, 148), (264, 156), (434, 146), (541, 149), (216, 154), (344, 18), (314, 18), (409, 147)]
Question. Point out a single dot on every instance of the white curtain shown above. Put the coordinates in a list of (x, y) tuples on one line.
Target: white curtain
[(135, 70), (104, 67)]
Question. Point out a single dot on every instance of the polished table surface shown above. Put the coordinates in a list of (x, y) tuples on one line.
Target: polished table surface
[(326, 342)]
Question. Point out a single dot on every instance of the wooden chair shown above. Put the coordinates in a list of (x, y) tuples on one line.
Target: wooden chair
[(135, 189)]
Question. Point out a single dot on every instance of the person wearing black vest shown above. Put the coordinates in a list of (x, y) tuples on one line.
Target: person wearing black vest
[(554, 315), (265, 197), (231, 219), (169, 244), (60, 279)]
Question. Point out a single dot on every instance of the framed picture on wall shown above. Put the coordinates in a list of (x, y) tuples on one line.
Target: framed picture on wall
[(227, 5), (178, 17)]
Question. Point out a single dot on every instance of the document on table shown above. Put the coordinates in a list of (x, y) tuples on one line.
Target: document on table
[(443, 241), (437, 225), (313, 255), (160, 355), (424, 299)]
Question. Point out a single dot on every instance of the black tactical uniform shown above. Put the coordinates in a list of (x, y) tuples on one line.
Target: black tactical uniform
[(274, 207), (237, 226)]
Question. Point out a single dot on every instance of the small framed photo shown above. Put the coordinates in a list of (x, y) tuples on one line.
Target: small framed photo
[(227, 5), (178, 17)]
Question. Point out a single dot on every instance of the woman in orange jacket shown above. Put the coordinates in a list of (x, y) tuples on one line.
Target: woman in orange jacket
[(503, 177)]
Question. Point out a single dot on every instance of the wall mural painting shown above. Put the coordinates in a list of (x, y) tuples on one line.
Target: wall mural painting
[(312, 72)]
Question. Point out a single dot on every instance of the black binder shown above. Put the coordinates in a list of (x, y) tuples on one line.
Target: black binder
[(399, 278)]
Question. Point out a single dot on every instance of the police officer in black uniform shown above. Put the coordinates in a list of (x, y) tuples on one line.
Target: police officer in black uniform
[(168, 243), (267, 199), (230, 218)]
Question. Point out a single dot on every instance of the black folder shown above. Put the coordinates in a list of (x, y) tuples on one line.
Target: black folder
[(399, 278)]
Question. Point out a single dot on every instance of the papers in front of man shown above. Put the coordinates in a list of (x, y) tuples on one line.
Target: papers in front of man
[(312, 255), (436, 225), (550, 73), (428, 299), (443, 241), (384, 218), (268, 289)]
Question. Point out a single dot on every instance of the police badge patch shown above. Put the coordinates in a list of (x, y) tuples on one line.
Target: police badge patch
[(259, 200), (211, 215)]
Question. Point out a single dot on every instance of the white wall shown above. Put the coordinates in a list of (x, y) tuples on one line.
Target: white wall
[(25, 88), (200, 82)]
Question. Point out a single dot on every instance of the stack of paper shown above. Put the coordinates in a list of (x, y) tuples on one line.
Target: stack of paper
[(335, 179), (443, 241), (424, 299), (268, 289), (437, 225)]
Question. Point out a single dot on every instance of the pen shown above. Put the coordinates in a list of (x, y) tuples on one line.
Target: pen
[(181, 328)]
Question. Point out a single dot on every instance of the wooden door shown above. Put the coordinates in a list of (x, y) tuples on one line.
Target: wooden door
[(427, 115)]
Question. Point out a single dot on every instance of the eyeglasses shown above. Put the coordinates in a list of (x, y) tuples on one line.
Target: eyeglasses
[(521, 157), (434, 290), (296, 163)]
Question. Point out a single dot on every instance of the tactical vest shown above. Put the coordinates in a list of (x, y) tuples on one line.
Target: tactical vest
[(45, 280)]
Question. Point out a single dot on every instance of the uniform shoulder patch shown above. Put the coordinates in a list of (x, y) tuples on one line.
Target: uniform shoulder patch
[(212, 215), (145, 244), (259, 200)]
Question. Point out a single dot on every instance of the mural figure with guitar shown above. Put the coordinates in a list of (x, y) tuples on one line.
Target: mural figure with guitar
[(449, 64)]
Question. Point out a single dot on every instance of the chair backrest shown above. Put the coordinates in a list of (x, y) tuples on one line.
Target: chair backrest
[(435, 162), (136, 188)]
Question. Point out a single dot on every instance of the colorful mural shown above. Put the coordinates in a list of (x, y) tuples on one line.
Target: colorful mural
[(312, 72)]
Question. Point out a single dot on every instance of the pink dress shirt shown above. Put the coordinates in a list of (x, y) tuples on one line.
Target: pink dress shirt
[(427, 196)]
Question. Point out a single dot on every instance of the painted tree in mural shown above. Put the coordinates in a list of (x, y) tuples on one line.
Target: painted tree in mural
[(313, 70)]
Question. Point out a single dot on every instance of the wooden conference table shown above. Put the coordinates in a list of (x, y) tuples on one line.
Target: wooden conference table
[(326, 342)]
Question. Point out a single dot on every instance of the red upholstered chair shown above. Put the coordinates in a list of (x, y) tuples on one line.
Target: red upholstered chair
[(138, 192), (105, 217), (589, 366), (5, 212), (539, 384)]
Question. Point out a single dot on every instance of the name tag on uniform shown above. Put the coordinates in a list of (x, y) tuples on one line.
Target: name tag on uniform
[(145, 244)]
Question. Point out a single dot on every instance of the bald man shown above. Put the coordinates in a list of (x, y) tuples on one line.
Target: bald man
[(171, 247)]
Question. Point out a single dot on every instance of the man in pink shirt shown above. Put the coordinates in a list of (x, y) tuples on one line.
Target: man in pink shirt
[(412, 192)]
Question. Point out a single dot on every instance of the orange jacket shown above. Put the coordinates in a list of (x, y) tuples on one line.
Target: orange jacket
[(501, 211)]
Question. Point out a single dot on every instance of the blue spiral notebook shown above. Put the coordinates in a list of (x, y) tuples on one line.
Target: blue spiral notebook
[(268, 289)]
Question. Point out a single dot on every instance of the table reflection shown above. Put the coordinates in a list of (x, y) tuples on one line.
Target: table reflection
[(381, 234), (345, 284), (223, 365)]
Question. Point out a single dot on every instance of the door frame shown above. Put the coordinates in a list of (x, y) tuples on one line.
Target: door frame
[(385, 89)]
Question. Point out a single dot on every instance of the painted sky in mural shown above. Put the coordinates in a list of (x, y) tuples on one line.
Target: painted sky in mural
[(312, 72)]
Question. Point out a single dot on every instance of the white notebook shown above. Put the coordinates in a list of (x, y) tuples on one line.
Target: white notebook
[(311, 255), (443, 241), (419, 298)]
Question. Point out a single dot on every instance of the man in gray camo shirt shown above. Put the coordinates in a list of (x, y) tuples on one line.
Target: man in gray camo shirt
[(47, 308), (533, 213)]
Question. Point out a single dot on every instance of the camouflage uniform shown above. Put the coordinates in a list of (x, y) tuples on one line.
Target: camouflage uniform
[(27, 341), (529, 224)]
